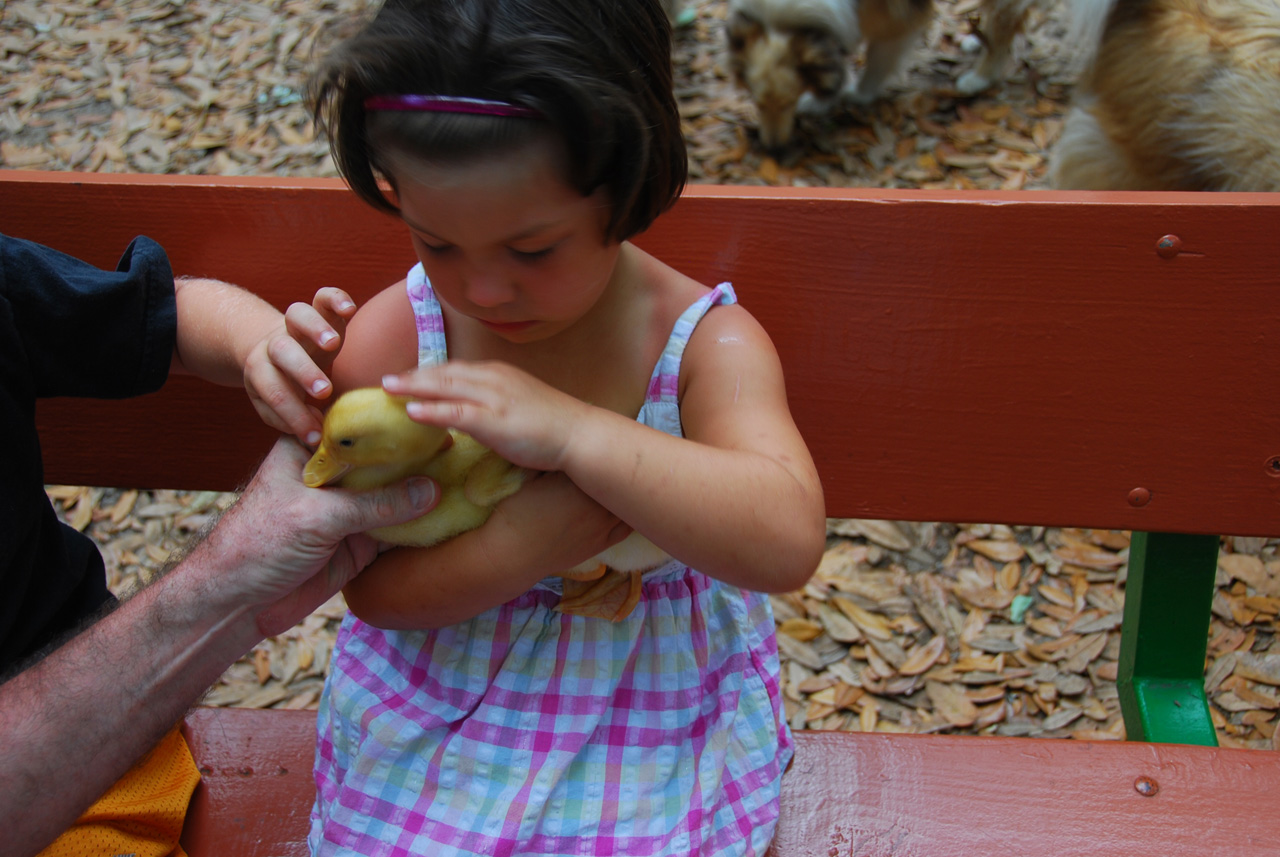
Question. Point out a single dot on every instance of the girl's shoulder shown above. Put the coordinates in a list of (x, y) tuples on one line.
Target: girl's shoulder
[(724, 321), (669, 290), (382, 337)]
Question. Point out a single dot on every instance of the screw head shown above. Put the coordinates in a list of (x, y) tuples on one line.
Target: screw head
[(1273, 466), (1168, 246), (1146, 786), (1139, 497)]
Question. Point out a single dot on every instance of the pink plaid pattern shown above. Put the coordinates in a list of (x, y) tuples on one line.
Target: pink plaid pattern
[(527, 731)]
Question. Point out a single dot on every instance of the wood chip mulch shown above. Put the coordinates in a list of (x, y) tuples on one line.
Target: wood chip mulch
[(906, 627)]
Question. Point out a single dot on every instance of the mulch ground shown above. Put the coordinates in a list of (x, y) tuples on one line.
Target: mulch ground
[(907, 626)]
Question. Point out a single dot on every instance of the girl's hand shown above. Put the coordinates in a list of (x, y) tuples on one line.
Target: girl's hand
[(524, 420), (288, 367)]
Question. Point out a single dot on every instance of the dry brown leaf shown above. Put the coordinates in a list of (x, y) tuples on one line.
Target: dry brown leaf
[(986, 597), (1263, 668), (887, 534), (1008, 578), (950, 701), (1088, 556), (123, 506), (1094, 735), (839, 627), (1055, 595), (804, 630), (1250, 570), (985, 694), (871, 624), (867, 719), (262, 663), (83, 513)]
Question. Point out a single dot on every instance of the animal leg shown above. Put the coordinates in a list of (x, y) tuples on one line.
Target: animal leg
[(884, 56), (1002, 21), (595, 572), (612, 597)]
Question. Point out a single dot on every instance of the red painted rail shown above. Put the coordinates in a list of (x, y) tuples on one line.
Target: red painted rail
[(1019, 358)]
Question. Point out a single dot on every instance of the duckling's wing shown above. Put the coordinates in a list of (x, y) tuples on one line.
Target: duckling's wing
[(492, 479), (452, 516)]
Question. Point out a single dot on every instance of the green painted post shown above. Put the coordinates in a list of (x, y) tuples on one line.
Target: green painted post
[(1162, 641)]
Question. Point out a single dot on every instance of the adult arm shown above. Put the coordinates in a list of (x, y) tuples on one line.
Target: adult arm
[(73, 723)]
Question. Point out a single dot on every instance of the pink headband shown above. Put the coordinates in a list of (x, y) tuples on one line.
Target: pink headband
[(450, 104)]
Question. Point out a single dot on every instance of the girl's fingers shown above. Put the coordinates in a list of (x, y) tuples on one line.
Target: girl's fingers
[(284, 411), (334, 303), (306, 324), (457, 379), (335, 307), (449, 414), (291, 359)]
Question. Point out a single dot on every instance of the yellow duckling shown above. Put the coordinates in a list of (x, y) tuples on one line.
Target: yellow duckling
[(368, 440)]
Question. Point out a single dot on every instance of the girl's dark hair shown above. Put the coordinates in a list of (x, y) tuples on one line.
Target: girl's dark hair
[(599, 71)]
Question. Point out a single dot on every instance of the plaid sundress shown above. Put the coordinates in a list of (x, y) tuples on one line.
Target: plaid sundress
[(528, 731)]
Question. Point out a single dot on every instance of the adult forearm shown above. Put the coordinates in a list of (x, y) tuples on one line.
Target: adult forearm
[(71, 725), (75, 722)]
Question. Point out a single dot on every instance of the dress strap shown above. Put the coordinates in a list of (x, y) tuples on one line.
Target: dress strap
[(665, 382), (428, 317)]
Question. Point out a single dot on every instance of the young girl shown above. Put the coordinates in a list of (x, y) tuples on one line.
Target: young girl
[(522, 143)]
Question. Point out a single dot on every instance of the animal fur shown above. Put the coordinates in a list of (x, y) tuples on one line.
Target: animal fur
[(794, 55), (1181, 95)]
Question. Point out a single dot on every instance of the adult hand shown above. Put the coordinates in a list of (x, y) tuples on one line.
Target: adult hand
[(285, 549)]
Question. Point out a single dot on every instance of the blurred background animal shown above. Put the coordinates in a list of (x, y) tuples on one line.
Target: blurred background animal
[(794, 55), (1180, 95)]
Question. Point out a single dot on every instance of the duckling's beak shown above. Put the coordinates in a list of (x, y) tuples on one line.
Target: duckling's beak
[(322, 469)]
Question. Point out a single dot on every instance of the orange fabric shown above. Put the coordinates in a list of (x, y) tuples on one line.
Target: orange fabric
[(142, 814)]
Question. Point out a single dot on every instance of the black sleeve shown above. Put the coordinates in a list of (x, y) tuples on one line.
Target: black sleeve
[(66, 329), (83, 331)]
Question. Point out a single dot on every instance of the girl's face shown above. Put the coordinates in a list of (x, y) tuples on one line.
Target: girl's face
[(506, 242)]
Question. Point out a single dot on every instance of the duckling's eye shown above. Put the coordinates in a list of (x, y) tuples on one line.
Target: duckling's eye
[(347, 442)]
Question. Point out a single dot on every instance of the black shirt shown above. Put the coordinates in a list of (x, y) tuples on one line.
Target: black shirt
[(66, 329)]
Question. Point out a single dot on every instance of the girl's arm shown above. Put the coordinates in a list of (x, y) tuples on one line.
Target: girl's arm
[(230, 336), (218, 326), (738, 498), (546, 527)]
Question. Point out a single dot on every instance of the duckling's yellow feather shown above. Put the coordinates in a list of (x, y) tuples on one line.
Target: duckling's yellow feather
[(368, 441)]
